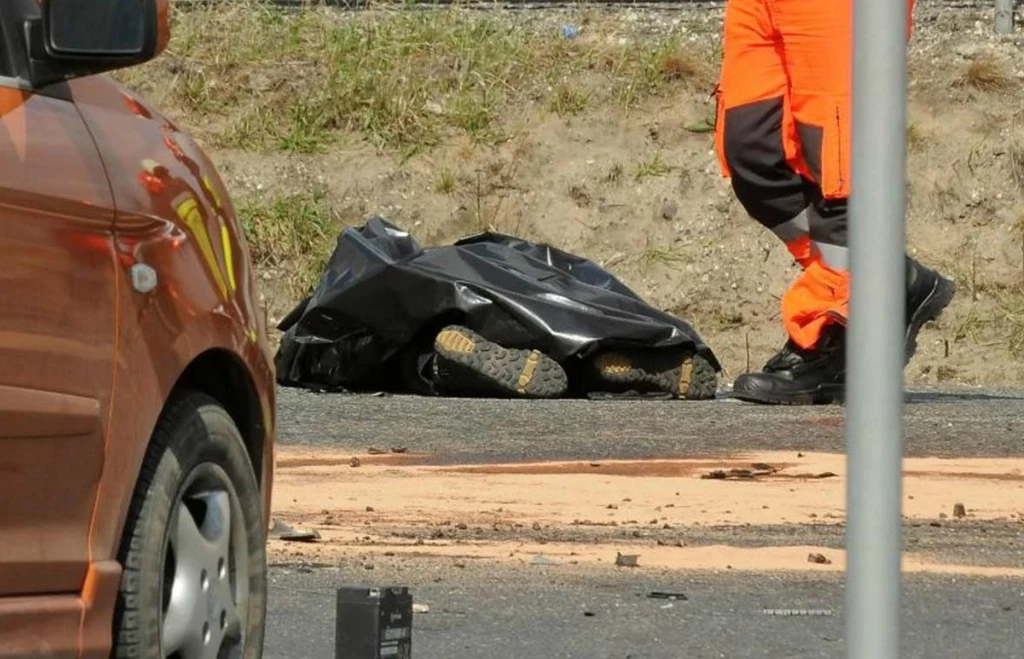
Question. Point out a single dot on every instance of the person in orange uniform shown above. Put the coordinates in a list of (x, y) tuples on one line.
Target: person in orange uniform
[(782, 135)]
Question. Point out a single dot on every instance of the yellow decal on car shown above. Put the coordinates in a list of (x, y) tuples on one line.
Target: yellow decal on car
[(188, 211), (229, 261)]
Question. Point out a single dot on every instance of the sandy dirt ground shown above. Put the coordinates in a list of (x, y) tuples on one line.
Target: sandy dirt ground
[(590, 513)]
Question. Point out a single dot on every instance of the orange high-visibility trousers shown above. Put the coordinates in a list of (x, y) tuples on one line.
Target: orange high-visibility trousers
[(782, 134)]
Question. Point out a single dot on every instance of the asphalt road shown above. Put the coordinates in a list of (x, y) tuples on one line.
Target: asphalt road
[(540, 613), (965, 423), (536, 612)]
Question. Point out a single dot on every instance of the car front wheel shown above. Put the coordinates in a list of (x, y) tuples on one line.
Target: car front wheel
[(194, 581)]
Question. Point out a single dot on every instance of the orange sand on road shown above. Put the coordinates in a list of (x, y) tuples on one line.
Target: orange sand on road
[(319, 489)]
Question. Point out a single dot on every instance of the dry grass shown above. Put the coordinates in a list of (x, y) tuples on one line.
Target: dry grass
[(986, 73), (266, 79)]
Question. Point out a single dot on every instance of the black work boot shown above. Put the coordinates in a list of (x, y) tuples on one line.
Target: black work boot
[(928, 293), (795, 376), (469, 365)]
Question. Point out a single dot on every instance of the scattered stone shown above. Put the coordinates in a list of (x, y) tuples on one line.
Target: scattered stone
[(536, 526), (828, 474), (669, 210), (420, 608), (588, 614), (369, 509), (355, 462), (959, 510), (943, 516), (820, 559), (369, 566), (612, 506), (626, 560), (399, 449), (462, 526), (460, 564), (595, 464), (289, 533), (935, 524), (376, 451)]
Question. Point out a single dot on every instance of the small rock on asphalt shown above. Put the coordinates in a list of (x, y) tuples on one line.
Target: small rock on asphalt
[(420, 608), (355, 462), (959, 510), (820, 559)]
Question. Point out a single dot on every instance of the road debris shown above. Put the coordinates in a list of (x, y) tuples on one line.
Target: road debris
[(420, 608), (589, 614), (376, 451), (797, 612), (664, 595), (284, 531), (820, 559), (756, 471), (627, 560), (959, 510), (355, 462), (399, 449)]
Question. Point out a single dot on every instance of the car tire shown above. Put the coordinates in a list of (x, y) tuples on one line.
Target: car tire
[(191, 582)]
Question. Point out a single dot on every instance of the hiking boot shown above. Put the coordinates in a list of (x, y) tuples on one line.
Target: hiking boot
[(795, 376), (683, 375), (928, 293), (469, 365)]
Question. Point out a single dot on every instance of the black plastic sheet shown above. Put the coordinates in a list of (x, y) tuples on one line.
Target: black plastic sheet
[(371, 321)]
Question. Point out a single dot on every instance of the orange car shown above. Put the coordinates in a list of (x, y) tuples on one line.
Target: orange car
[(137, 405)]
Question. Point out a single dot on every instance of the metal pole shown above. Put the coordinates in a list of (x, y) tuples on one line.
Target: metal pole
[(1004, 16), (875, 350)]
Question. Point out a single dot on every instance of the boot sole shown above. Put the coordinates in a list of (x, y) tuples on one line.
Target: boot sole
[(688, 377), (468, 364), (828, 394), (931, 309)]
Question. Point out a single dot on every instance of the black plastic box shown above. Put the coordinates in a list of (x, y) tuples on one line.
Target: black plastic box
[(373, 623)]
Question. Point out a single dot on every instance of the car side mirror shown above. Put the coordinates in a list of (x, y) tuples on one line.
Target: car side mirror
[(73, 38)]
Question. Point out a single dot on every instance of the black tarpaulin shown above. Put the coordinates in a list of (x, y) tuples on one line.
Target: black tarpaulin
[(371, 321)]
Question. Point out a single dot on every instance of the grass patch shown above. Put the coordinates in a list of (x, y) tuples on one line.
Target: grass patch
[(654, 166), (916, 137), (569, 100), (446, 182), (290, 232), (653, 255), (987, 74), (270, 79)]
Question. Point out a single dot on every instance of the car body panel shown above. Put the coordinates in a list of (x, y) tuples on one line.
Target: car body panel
[(173, 215), (58, 288)]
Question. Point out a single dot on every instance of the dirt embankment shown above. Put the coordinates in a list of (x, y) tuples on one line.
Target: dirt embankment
[(454, 121)]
